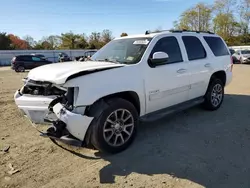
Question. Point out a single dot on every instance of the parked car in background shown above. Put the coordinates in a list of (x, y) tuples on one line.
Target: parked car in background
[(23, 62), (87, 54), (62, 57), (232, 51), (242, 56)]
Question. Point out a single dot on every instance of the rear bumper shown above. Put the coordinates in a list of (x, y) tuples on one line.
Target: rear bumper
[(36, 109), (229, 78)]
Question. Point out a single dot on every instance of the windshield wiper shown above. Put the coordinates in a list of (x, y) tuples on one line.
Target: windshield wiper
[(107, 60)]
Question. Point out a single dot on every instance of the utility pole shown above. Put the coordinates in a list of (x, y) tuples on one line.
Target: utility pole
[(199, 26)]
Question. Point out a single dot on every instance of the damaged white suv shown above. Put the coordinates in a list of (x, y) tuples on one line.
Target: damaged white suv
[(99, 102)]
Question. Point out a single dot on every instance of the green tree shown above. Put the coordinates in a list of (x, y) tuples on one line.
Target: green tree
[(224, 22), (225, 25), (196, 18), (30, 40), (54, 40), (70, 40), (244, 14), (106, 36), (5, 42), (95, 40)]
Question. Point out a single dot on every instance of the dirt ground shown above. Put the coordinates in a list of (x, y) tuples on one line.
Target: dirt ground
[(192, 149)]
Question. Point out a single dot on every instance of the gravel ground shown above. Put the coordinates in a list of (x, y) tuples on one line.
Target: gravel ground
[(191, 149)]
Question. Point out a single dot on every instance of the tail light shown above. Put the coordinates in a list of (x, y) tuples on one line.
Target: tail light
[(232, 64), (13, 60)]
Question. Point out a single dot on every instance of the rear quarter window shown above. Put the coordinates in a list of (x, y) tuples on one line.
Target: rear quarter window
[(217, 46), (23, 58)]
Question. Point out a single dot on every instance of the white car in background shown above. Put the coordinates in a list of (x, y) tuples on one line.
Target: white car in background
[(143, 77), (242, 56)]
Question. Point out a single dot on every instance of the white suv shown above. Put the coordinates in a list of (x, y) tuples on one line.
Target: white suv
[(100, 102)]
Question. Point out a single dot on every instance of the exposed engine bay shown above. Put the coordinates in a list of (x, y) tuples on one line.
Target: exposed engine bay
[(41, 88)]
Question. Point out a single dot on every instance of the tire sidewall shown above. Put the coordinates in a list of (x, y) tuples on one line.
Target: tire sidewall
[(20, 69), (97, 138), (208, 98)]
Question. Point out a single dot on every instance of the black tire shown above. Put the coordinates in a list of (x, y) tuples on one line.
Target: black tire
[(208, 103), (20, 69), (98, 137)]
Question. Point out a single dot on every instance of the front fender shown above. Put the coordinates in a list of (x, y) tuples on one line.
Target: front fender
[(93, 87)]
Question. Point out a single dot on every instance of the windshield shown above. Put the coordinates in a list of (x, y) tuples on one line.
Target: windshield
[(245, 51), (126, 51)]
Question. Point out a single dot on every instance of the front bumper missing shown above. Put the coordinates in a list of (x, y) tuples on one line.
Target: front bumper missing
[(76, 124), (36, 109)]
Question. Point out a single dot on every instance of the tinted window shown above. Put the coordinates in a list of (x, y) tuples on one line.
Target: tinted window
[(217, 46), (24, 58), (194, 48), (171, 47), (245, 52), (36, 59)]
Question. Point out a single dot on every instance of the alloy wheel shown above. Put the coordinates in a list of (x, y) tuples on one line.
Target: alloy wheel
[(118, 127)]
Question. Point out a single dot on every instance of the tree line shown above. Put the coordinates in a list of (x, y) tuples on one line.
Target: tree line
[(228, 18), (67, 40)]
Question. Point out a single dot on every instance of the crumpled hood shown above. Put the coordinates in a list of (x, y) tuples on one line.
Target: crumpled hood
[(59, 72)]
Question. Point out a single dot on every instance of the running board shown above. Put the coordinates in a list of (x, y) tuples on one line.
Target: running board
[(170, 110)]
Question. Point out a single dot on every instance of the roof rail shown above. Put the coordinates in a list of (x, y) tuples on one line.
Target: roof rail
[(179, 31)]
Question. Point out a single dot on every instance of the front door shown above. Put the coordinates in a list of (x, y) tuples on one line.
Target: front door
[(168, 84)]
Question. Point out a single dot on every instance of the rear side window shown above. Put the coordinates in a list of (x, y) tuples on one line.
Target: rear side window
[(194, 48), (171, 47), (24, 58), (217, 46)]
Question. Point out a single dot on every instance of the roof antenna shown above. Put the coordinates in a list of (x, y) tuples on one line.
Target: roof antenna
[(147, 32)]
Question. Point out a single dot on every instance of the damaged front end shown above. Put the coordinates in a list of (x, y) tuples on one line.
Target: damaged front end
[(34, 98), (44, 102)]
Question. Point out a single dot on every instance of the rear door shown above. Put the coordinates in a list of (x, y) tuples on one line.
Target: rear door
[(27, 62), (199, 66), (38, 61)]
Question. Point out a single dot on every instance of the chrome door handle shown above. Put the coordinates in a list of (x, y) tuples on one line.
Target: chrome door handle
[(180, 71), (207, 65)]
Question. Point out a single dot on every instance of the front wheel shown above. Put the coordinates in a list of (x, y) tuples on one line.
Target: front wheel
[(115, 129), (214, 95)]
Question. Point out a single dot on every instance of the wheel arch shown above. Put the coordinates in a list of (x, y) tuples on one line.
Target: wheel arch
[(130, 96), (220, 75), (96, 108)]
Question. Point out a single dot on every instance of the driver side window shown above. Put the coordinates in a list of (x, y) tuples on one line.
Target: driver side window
[(170, 46)]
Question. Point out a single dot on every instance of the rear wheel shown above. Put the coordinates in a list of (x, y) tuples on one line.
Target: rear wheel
[(115, 129), (20, 69), (214, 95)]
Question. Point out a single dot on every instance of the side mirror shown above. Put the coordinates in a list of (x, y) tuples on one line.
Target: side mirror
[(159, 58)]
